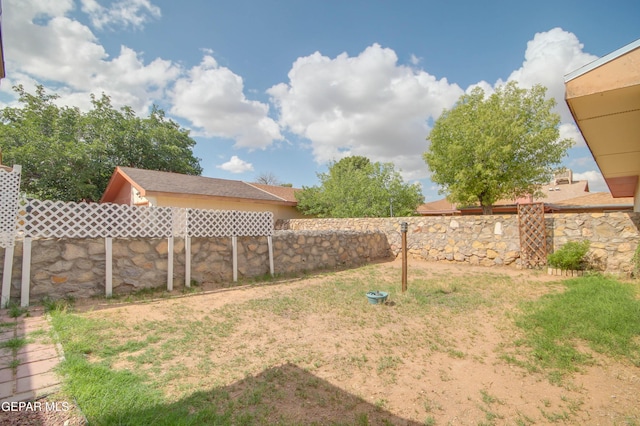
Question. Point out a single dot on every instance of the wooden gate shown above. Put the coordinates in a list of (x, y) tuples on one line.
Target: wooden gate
[(533, 235)]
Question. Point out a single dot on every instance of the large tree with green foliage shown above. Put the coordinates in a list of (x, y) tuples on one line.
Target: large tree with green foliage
[(356, 187), (70, 155), (505, 145)]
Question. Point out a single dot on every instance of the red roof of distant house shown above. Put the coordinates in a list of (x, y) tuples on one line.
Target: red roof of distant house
[(574, 197), (438, 207)]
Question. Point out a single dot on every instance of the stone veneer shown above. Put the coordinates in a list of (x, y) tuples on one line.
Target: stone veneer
[(76, 267), (494, 240)]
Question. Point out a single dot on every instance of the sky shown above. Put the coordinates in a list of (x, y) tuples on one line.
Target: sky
[(285, 87)]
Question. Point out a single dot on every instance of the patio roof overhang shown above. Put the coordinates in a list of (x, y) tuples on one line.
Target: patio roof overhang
[(604, 99)]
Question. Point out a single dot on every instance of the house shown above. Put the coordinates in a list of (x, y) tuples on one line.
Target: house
[(140, 187), (604, 99), (592, 202), (559, 190)]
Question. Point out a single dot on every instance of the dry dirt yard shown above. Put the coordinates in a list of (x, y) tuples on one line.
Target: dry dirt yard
[(308, 352)]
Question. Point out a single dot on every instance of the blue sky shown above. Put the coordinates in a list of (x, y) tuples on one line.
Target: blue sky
[(284, 87)]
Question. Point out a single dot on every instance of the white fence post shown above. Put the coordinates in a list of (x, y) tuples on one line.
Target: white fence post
[(234, 250), (108, 258), (170, 264), (187, 261), (270, 244), (6, 276), (26, 272)]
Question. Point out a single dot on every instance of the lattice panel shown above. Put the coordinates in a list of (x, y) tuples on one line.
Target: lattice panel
[(9, 194), (56, 219), (227, 223), (533, 235)]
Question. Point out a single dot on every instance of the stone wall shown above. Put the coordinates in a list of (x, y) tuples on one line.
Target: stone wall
[(495, 240), (482, 240), (76, 267), (613, 237)]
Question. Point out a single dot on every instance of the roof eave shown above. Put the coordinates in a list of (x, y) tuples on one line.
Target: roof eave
[(601, 61), (220, 197)]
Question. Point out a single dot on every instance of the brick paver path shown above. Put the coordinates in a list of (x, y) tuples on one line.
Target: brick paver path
[(28, 372)]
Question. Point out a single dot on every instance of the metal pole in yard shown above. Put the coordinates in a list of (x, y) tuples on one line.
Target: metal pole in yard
[(404, 226)]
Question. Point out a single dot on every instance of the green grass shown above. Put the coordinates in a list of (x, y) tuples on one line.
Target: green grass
[(14, 343), (228, 364), (599, 312)]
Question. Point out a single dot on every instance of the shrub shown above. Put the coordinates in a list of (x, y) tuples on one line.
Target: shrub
[(570, 256)]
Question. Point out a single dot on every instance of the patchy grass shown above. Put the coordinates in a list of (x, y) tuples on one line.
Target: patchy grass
[(286, 354), (599, 312)]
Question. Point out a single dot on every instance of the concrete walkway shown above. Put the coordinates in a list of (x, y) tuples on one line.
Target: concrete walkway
[(28, 373)]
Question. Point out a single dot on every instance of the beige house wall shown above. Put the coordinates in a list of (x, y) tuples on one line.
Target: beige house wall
[(279, 211)]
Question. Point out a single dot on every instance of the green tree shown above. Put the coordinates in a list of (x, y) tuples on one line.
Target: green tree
[(502, 146), (356, 187), (69, 155)]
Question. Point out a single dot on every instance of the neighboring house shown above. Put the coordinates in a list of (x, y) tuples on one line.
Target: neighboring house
[(441, 207), (593, 202), (563, 194), (133, 186), (604, 99)]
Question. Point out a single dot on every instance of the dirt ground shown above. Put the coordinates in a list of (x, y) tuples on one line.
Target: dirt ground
[(464, 381)]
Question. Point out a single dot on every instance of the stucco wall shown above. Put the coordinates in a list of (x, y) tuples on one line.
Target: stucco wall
[(279, 211)]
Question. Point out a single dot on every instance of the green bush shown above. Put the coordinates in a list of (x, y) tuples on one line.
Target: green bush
[(570, 256)]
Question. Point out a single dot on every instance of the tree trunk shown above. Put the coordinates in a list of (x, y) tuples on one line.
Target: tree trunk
[(487, 209)]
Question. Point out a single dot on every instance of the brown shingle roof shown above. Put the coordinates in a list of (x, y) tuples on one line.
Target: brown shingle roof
[(287, 193), (569, 197), (176, 183), (554, 193), (597, 199), (442, 206)]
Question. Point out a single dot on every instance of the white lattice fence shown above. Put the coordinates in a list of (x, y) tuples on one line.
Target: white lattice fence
[(32, 218), (227, 223), (56, 219), (9, 193)]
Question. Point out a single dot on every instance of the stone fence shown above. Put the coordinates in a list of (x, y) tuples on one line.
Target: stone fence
[(76, 267), (495, 239)]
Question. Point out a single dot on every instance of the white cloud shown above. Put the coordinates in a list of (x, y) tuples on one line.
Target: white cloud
[(571, 131), (212, 98), (369, 105), (124, 13), (236, 165), (364, 105), (595, 179), (49, 47), (549, 57)]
